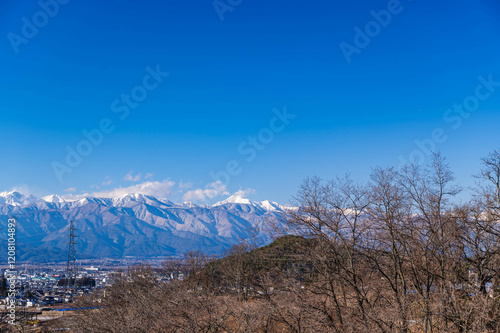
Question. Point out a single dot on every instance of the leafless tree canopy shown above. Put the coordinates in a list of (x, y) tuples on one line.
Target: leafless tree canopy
[(397, 254)]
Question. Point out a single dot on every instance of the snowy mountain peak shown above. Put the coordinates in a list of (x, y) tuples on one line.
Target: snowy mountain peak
[(237, 199), (129, 197), (270, 205), (188, 204), (54, 198), (11, 194), (15, 198)]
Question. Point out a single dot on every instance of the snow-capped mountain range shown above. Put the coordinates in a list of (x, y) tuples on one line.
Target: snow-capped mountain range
[(17, 199), (132, 225)]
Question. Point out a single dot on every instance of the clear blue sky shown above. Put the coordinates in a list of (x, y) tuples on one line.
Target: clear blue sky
[(225, 79)]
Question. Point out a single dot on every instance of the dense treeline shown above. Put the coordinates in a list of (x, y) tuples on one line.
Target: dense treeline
[(394, 255)]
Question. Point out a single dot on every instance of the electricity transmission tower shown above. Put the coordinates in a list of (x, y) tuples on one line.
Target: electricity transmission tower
[(71, 269)]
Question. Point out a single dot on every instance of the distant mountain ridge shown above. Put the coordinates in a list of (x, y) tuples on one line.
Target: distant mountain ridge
[(15, 198), (266, 205), (132, 225)]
